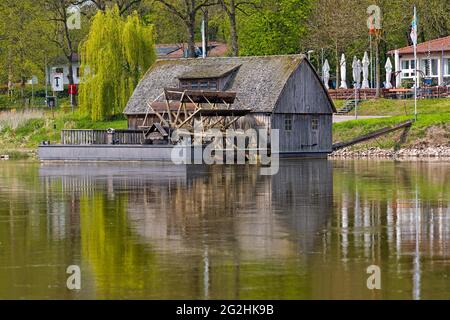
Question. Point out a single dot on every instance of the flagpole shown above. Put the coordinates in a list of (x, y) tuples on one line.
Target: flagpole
[(204, 39), (371, 62), (416, 65)]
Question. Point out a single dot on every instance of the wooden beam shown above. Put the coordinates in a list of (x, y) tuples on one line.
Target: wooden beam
[(190, 118), (372, 135), (149, 104), (179, 108), (232, 122), (158, 115)]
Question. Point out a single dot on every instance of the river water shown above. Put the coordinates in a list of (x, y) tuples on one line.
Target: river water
[(225, 232)]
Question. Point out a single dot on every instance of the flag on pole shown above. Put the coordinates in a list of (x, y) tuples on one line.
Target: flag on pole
[(416, 74), (414, 28), (371, 23)]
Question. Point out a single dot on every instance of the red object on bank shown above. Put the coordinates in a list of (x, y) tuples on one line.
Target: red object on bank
[(73, 89)]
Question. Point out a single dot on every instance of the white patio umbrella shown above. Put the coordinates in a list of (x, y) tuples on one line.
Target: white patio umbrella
[(358, 74), (343, 73), (365, 65), (355, 71), (388, 67), (326, 74)]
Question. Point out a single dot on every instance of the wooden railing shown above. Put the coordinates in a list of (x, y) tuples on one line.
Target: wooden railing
[(129, 136), (363, 94), (99, 137)]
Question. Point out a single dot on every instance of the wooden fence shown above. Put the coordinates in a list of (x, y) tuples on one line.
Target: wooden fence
[(344, 94), (99, 137), (363, 94)]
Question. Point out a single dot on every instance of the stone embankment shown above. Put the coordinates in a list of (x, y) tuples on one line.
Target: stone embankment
[(424, 152)]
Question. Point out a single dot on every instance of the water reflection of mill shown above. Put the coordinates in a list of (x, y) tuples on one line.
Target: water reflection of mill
[(226, 208)]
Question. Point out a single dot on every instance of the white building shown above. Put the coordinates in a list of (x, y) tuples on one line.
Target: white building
[(433, 62), (61, 65)]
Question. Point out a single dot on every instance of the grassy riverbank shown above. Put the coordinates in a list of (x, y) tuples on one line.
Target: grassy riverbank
[(21, 130), (431, 129)]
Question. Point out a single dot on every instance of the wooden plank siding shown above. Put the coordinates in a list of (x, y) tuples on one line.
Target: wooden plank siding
[(302, 139), (304, 99), (304, 93), (291, 88)]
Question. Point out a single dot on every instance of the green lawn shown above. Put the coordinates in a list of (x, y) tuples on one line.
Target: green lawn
[(432, 127), (394, 107)]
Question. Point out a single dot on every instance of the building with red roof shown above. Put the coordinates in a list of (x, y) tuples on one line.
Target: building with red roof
[(433, 62)]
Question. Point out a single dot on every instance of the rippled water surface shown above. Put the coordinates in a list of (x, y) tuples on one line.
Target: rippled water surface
[(167, 232)]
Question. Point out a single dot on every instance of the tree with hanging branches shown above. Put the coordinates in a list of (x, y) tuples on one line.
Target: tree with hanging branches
[(114, 57)]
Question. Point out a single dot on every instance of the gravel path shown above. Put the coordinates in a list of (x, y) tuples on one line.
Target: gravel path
[(337, 119)]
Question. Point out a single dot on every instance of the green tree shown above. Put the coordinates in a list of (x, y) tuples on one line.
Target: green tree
[(125, 6), (273, 27), (22, 47), (187, 11), (231, 8), (114, 57), (338, 26), (61, 35), (168, 28)]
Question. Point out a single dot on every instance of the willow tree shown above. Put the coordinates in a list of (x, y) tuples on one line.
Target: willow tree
[(114, 57)]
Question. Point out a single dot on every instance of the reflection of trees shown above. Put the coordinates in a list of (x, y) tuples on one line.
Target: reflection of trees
[(231, 233), (226, 232), (106, 245), (214, 235), (122, 266), (36, 242), (376, 222)]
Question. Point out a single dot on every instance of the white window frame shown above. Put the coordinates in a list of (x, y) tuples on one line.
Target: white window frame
[(446, 67), (408, 73), (423, 63)]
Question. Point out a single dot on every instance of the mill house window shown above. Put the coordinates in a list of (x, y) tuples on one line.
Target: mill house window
[(315, 124), (288, 122), (202, 84), (207, 77)]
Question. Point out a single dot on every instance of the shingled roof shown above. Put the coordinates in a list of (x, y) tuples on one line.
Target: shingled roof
[(258, 81), (209, 71), (436, 45)]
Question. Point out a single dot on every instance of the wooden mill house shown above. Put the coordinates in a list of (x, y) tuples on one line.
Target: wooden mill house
[(279, 92)]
